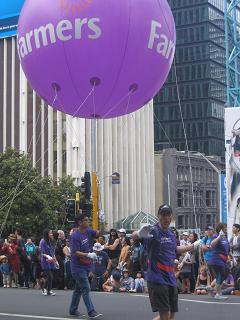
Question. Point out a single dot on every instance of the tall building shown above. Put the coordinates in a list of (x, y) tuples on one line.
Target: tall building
[(59, 144), (201, 73), (195, 199)]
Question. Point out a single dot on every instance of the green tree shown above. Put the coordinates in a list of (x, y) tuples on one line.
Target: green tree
[(28, 200)]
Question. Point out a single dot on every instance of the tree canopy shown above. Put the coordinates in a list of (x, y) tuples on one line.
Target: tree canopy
[(28, 200)]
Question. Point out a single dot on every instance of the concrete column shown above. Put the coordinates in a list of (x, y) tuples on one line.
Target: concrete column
[(13, 93), (151, 153), (115, 155), (4, 127), (78, 148), (125, 167), (131, 166), (134, 161), (59, 145), (100, 161), (109, 172), (105, 184), (138, 162), (120, 166), (69, 144), (50, 140), (42, 137), (143, 161), (23, 113), (88, 163), (147, 154)]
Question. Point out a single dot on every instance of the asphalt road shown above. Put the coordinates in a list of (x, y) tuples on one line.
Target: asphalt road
[(17, 304)]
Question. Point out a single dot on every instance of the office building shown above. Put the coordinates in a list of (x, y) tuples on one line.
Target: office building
[(201, 78)]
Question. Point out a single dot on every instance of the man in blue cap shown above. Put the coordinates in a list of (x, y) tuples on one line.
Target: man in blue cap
[(160, 243)]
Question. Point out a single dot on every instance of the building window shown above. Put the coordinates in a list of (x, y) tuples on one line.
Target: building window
[(180, 222), (208, 219), (208, 198), (180, 198), (186, 198), (186, 222)]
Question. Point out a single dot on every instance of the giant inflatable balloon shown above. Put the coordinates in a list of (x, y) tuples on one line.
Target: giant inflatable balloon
[(96, 58)]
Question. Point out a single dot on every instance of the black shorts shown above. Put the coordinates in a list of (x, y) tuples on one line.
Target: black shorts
[(217, 272), (185, 275), (163, 298)]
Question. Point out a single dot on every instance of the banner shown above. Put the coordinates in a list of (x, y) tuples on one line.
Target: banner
[(232, 147), (223, 195), (9, 14)]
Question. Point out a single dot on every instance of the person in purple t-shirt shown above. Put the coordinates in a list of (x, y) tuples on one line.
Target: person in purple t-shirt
[(217, 263), (161, 245), (48, 260), (82, 257)]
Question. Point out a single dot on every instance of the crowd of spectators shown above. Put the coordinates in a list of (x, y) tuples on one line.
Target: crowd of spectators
[(121, 263)]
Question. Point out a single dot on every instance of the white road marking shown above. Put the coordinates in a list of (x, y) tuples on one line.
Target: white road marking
[(197, 301), (35, 317), (209, 302)]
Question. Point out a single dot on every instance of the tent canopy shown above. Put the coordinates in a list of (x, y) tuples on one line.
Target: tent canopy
[(136, 221)]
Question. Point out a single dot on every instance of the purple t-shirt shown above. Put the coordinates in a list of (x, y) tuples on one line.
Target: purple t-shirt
[(220, 252), (82, 242), (48, 249), (229, 279), (162, 253)]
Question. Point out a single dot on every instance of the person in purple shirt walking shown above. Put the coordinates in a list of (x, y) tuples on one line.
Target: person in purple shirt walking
[(161, 244), (217, 263), (48, 260), (82, 257)]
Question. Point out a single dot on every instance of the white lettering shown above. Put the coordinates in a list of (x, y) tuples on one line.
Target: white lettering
[(97, 31), (28, 40), (64, 31), (164, 47), (171, 48), (153, 34), (23, 47), (43, 32), (64, 25), (78, 27)]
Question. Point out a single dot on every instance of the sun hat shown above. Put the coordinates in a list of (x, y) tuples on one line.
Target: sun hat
[(2, 258), (122, 230), (98, 247)]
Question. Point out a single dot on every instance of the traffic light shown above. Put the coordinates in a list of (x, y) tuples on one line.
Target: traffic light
[(70, 209), (86, 186), (86, 207)]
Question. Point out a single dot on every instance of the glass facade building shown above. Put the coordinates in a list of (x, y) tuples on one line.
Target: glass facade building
[(201, 75)]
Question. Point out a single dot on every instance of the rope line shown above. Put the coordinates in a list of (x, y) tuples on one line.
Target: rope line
[(186, 142)]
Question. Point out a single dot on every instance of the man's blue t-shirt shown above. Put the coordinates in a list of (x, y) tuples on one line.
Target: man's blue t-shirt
[(162, 249), (207, 254), (82, 242), (100, 265), (136, 252)]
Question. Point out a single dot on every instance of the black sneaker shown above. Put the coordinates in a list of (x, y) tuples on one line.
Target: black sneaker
[(77, 314), (93, 315)]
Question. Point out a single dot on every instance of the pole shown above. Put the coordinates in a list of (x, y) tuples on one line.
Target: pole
[(94, 144), (95, 223), (169, 195)]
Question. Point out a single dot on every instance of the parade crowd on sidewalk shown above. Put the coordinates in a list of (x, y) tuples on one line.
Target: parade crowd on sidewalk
[(121, 262)]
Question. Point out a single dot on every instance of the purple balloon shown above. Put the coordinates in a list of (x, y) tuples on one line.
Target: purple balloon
[(96, 58)]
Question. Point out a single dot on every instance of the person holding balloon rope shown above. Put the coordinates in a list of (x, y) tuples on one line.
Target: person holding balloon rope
[(82, 257), (160, 244)]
